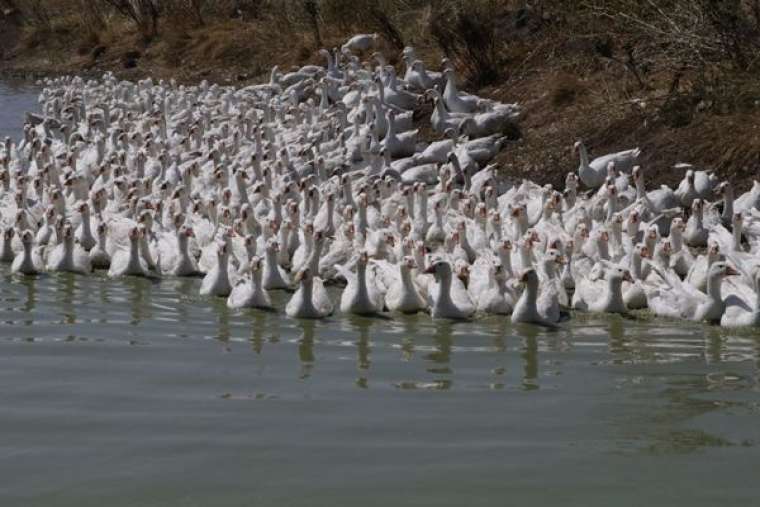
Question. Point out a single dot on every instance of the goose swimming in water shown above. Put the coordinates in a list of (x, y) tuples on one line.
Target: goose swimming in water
[(442, 304), (249, 292), (310, 301)]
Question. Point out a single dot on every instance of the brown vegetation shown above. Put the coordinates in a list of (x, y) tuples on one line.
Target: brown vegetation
[(680, 78)]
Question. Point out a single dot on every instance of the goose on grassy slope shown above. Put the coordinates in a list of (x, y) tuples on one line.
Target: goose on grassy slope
[(593, 173)]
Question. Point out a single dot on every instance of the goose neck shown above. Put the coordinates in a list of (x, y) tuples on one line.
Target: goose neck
[(713, 286), (737, 234), (615, 292), (676, 239), (307, 286), (531, 290), (636, 266), (584, 156)]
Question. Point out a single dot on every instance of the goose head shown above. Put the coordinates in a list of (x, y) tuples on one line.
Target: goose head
[(101, 229), (529, 279), (737, 222), (407, 263), (84, 209), (304, 277), (611, 171), (690, 179), (713, 251), (255, 264), (697, 207), (68, 232), (721, 270), (678, 225), (505, 246), (662, 252), (8, 234), (618, 274), (462, 270), (653, 234), (27, 238), (723, 189), (571, 181), (553, 259), (642, 251), (222, 252), (440, 268)]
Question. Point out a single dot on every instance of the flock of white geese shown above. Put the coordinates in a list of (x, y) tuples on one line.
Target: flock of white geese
[(320, 177)]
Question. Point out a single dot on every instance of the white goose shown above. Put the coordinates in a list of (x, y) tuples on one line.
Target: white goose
[(594, 173), (274, 276), (128, 261), (680, 300), (442, 305), (311, 300), (361, 296), (249, 292), (23, 263), (99, 257), (602, 295), (403, 294), (526, 309), (742, 299), (68, 256), (6, 249)]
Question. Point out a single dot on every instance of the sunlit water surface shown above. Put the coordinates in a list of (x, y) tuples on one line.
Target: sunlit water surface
[(128, 392)]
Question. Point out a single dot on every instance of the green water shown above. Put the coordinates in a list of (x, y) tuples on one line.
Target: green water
[(128, 392)]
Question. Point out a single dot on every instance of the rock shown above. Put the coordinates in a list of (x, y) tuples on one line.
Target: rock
[(130, 59), (98, 51)]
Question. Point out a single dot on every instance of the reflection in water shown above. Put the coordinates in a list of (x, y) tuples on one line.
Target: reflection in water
[(427, 348), (258, 325), (618, 342), (715, 346), (529, 355), (223, 319), (66, 288), (306, 347), (31, 299), (410, 328), (443, 341), (140, 304), (756, 348)]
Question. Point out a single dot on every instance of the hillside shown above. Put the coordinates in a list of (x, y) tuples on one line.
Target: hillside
[(679, 78)]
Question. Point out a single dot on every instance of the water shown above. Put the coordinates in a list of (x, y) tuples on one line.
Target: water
[(16, 97), (128, 392)]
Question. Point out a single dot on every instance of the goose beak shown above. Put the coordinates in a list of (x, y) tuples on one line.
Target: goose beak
[(730, 270), (627, 277), (430, 270)]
